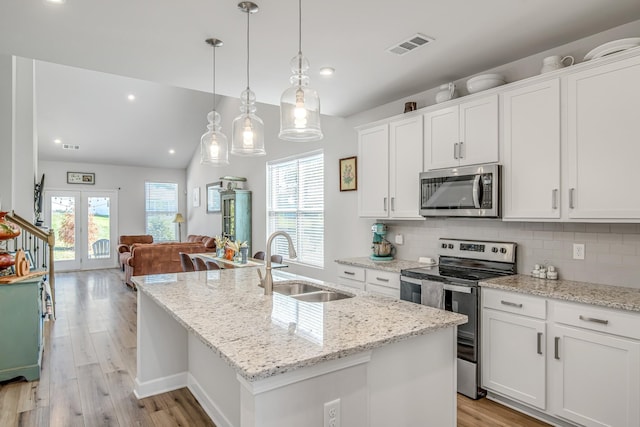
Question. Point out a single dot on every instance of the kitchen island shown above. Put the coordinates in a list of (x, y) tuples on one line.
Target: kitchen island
[(254, 360)]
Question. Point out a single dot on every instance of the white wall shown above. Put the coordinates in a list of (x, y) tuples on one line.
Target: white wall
[(6, 126), (128, 181), (347, 235)]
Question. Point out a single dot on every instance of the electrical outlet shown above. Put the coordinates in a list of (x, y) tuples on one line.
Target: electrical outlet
[(332, 413), (399, 239), (578, 251)]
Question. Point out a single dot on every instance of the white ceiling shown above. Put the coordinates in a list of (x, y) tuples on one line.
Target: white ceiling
[(162, 41)]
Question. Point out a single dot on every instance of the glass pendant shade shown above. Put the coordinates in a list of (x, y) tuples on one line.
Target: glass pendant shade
[(214, 148), (248, 129), (300, 106)]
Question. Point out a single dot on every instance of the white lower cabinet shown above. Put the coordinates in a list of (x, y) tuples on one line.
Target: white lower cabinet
[(595, 376), (578, 363), (367, 279)]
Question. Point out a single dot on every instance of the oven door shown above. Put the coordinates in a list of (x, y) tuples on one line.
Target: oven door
[(461, 299), (466, 191)]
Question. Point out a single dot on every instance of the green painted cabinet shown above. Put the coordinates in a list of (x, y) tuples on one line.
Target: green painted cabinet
[(21, 329), (236, 215)]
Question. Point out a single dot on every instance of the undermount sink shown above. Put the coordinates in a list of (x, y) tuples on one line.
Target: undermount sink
[(307, 292), (321, 296), (294, 288)]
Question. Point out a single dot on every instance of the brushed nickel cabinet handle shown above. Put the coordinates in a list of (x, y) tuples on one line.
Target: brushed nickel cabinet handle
[(460, 156), (556, 352), (350, 273), (385, 204), (554, 199), (393, 204), (455, 150), (511, 304), (539, 342), (382, 279), (593, 319), (571, 194)]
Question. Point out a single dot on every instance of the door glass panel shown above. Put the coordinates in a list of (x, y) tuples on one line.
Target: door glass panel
[(99, 227), (63, 220)]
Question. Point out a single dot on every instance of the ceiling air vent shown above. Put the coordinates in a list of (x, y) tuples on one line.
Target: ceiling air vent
[(70, 147), (410, 44)]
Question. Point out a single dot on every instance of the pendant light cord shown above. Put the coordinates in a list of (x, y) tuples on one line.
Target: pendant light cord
[(248, 13), (214, 78), (300, 27)]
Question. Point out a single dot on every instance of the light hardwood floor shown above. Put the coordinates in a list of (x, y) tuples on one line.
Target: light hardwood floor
[(89, 366)]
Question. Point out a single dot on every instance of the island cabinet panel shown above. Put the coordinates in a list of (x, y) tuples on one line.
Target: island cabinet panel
[(21, 330), (530, 140), (602, 134)]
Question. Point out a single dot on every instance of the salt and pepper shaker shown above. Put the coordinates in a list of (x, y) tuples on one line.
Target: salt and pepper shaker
[(542, 272)]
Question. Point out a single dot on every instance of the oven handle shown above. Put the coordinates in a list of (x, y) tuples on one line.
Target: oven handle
[(476, 191), (446, 286)]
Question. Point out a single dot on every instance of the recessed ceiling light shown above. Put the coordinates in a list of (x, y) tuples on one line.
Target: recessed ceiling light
[(131, 97), (57, 140), (172, 151), (327, 71), (55, 1)]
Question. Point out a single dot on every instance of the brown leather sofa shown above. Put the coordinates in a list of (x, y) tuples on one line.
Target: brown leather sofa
[(158, 258), (125, 243)]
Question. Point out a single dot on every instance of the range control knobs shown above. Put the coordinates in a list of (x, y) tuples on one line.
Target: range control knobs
[(450, 245), (494, 250), (444, 246), (503, 250)]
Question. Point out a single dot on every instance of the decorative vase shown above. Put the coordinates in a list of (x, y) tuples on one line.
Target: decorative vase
[(6, 260), (243, 254), (229, 254), (7, 229)]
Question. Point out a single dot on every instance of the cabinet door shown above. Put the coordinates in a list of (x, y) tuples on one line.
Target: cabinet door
[(479, 131), (603, 134), (595, 378), (531, 151), (405, 165), (441, 137), (373, 172), (513, 356)]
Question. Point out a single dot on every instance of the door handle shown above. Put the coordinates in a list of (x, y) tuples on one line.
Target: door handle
[(554, 199), (382, 279), (455, 150), (476, 191), (460, 156), (556, 351), (393, 204), (350, 273), (539, 342), (593, 319), (511, 304), (385, 204)]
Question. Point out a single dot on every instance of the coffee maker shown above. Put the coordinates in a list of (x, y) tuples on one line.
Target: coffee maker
[(382, 249)]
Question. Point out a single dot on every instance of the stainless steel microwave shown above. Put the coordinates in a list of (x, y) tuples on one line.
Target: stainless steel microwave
[(468, 191)]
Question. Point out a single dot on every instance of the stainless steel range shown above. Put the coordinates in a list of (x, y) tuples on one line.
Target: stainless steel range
[(452, 285)]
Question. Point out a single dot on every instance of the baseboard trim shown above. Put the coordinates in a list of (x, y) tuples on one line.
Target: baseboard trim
[(212, 410), (160, 385)]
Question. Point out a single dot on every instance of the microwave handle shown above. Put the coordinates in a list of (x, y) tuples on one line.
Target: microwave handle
[(476, 191)]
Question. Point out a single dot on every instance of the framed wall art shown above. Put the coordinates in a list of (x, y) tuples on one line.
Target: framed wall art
[(213, 197), (349, 174), (81, 178)]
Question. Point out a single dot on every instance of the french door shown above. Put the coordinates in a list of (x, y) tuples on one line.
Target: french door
[(85, 227)]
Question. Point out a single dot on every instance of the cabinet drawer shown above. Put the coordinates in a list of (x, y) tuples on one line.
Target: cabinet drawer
[(383, 278), (512, 302), (350, 272), (383, 290), (355, 284), (613, 322)]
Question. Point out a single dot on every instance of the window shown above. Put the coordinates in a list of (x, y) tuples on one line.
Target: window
[(161, 206), (295, 204)]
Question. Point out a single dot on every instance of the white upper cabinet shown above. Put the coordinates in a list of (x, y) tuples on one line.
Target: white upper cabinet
[(405, 165), (390, 162), (530, 151), (373, 172), (464, 134), (603, 142)]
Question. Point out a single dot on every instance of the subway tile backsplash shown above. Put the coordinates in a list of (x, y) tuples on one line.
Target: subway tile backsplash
[(612, 251)]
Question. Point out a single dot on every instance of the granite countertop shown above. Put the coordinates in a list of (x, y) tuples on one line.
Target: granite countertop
[(394, 265), (261, 336), (617, 297)]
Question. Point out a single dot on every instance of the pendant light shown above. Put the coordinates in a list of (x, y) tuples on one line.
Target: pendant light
[(214, 148), (248, 129), (299, 104)]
